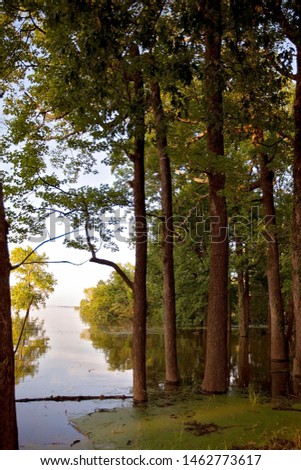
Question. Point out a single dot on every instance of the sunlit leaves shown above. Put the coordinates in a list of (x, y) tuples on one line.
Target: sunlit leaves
[(33, 282), (108, 302)]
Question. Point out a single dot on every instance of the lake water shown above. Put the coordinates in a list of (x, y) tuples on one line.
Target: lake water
[(71, 366), (74, 360)]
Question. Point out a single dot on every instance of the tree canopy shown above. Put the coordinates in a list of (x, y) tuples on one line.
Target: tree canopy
[(195, 106)]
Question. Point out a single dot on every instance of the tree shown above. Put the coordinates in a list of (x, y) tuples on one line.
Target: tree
[(286, 17), (110, 302), (169, 296), (276, 308), (126, 78), (8, 421), (216, 362), (34, 283), (91, 106)]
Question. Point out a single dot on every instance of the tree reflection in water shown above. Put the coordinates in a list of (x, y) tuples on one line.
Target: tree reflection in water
[(33, 345), (248, 364)]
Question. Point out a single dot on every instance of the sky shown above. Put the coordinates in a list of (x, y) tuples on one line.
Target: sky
[(72, 279)]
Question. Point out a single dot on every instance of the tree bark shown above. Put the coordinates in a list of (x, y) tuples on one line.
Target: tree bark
[(139, 288), (243, 362), (216, 362), (296, 226), (8, 420), (277, 321), (169, 296), (243, 294)]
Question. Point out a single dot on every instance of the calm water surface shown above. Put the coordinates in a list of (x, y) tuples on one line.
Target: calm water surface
[(71, 366), (75, 360)]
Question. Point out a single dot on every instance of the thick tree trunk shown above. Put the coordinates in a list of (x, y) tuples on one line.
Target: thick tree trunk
[(139, 289), (276, 309), (8, 420), (169, 297), (216, 363), (296, 228)]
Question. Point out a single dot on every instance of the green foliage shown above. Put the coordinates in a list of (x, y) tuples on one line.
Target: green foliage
[(108, 302), (33, 283), (74, 96)]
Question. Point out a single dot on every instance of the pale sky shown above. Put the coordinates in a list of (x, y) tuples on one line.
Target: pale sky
[(72, 280)]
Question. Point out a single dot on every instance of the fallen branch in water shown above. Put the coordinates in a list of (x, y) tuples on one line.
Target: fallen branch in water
[(75, 398)]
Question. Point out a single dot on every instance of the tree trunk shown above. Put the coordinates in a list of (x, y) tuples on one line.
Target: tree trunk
[(216, 363), (243, 293), (276, 309), (296, 227), (8, 420), (139, 288), (169, 297), (243, 362)]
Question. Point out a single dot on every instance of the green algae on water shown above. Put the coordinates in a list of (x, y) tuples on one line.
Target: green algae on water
[(178, 422)]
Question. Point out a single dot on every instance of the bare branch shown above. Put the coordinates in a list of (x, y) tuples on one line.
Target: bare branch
[(35, 24), (87, 227), (151, 214), (75, 398), (55, 262), (253, 186), (117, 268), (274, 144), (197, 137), (187, 121), (16, 266)]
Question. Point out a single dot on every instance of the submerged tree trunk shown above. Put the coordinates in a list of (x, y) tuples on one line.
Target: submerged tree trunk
[(8, 420), (243, 293), (243, 362), (296, 228), (216, 362), (169, 298), (277, 321), (139, 288)]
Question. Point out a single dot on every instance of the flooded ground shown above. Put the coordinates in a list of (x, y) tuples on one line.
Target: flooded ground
[(70, 366), (75, 361)]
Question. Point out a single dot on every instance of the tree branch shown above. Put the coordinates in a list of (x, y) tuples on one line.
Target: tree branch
[(54, 262), (75, 398), (87, 228), (197, 137), (117, 268), (16, 266), (187, 121)]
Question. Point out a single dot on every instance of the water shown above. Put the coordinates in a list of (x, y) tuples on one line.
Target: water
[(71, 366), (72, 359)]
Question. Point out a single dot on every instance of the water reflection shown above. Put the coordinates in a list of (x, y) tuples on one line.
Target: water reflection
[(117, 348), (248, 360), (33, 345), (115, 344), (243, 362), (76, 360)]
